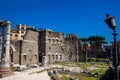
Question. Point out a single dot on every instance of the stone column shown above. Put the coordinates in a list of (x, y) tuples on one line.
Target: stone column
[(1, 47), (44, 61), (6, 56), (5, 66)]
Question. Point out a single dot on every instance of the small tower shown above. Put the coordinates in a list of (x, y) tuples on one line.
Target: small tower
[(21, 29)]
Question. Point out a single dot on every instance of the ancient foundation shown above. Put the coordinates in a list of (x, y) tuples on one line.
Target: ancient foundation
[(4, 72)]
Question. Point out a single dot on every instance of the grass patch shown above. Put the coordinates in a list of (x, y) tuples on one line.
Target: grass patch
[(102, 71), (80, 64), (12, 68), (93, 67), (80, 77), (97, 60), (59, 63)]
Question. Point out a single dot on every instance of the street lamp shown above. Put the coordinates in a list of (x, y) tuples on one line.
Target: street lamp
[(110, 21)]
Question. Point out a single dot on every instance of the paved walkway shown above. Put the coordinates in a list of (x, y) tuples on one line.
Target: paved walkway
[(25, 75)]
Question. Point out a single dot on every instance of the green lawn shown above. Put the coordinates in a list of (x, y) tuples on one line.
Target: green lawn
[(79, 64), (99, 67), (80, 77)]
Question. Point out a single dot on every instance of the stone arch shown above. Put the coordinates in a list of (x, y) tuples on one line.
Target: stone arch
[(12, 50)]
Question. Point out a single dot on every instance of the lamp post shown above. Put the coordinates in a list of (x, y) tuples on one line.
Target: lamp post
[(110, 21)]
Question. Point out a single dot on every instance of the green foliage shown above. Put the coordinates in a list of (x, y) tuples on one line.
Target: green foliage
[(97, 60), (53, 76), (101, 60), (99, 67), (12, 68), (84, 40), (91, 59), (96, 40), (64, 78), (99, 71), (85, 64), (80, 77), (98, 64), (84, 67), (58, 63)]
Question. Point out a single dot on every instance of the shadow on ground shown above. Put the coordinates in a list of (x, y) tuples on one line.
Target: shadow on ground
[(109, 75)]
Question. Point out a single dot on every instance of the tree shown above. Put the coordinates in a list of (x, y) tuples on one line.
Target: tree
[(97, 43), (96, 40), (84, 40)]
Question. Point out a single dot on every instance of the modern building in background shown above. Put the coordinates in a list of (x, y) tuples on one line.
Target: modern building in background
[(19, 32)]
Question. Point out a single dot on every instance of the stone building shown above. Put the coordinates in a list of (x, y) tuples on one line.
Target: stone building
[(25, 50), (43, 46), (29, 48), (19, 32), (38, 46), (110, 50), (51, 46), (97, 51), (15, 51), (74, 48)]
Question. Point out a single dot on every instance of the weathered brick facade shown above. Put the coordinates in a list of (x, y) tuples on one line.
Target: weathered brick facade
[(26, 50), (45, 46), (51, 45), (15, 54), (29, 49), (73, 48)]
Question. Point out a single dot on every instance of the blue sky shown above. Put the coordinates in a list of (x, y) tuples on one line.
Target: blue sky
[(82, 17)]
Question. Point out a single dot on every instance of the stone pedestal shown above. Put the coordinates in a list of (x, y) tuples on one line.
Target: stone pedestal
[(4, 72), (44, 61)]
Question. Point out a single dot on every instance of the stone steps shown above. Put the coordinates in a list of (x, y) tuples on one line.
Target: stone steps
[(4, 72)]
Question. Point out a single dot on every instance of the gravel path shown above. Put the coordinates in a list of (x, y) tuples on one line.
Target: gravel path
[(25, 75)]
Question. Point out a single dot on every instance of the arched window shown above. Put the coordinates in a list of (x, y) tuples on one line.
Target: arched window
[(53, 57), (56, 57), (49, 48), (35, 56), (60, 57), (49, 57), (49, 40), (24, 58)]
